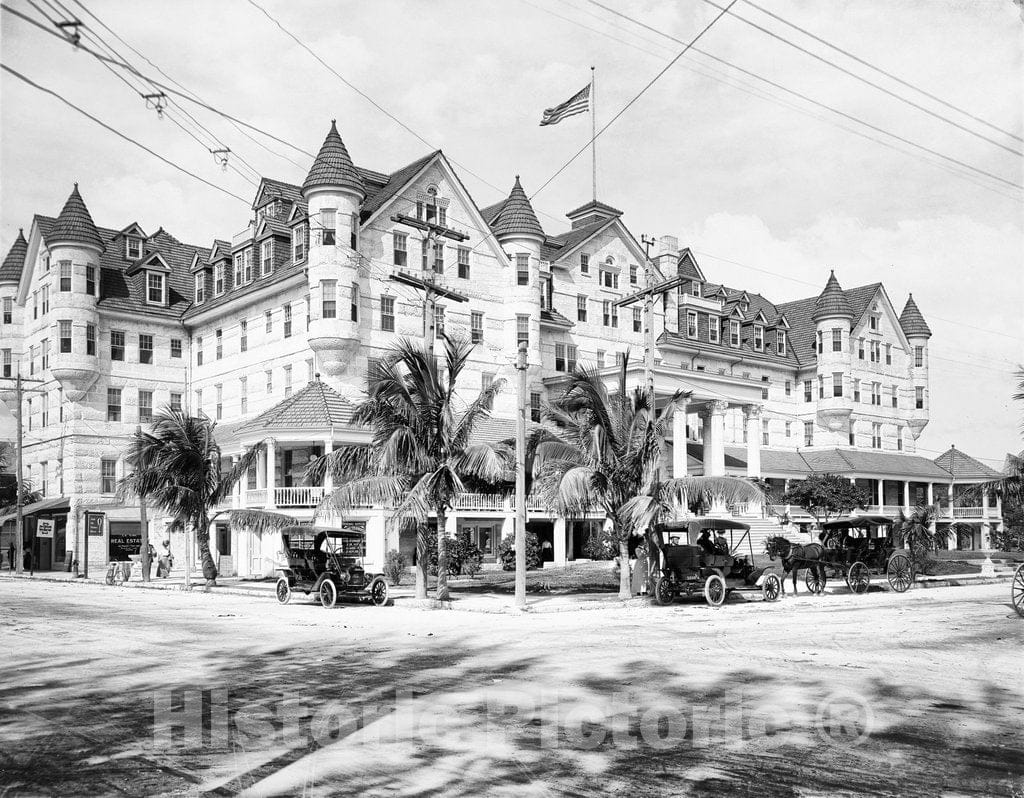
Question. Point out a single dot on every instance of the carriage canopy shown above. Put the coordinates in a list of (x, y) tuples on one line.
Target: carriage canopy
[(857, 522)]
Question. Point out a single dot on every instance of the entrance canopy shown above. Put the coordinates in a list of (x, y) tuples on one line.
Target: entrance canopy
[(58, 504)]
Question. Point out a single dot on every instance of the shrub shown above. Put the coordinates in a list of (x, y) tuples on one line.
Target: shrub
[(507, 552), (464, 557), (600, 545), (394, 565), (1007, 539)]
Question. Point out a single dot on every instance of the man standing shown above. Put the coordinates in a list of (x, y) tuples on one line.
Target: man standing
[(10, 555)]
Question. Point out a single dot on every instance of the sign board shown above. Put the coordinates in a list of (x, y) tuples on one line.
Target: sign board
[(44, 528), (125, 541), (94, 525)]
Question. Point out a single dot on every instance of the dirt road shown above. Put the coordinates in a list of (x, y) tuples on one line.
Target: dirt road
[(118, 691)]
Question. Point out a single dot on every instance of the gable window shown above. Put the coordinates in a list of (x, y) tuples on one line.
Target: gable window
[(65, 275), (117, 345), (807, 391), (133, 247), (247, 260), (691, 324), (873, 322), (780, 341), (734, 333), (632, 274), (354, 302), (145, 407), (299, 242), (145, 348), (387, 313), (919, 398), (584, 263), (608, 279), (328, 225), (522, 269), (476, 327), (113, 404), (895, 396), (918, 356), (522, 329), (876, 434), (860, 348), (837, 383), (200, 286), (176, 348), (199, 350), (888, 354), (713, 329), (401, 255), (837, 339), (463, 261), (329, 299), (8, 310), (287, 321), (758, 338), (808, 433), (108, 475), (218, 279), (267, 256), (581, 307), (155, 288)]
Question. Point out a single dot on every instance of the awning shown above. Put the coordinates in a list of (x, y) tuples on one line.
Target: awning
[(58, 504)]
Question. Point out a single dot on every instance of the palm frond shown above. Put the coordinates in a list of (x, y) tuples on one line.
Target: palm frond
[(259, 521)]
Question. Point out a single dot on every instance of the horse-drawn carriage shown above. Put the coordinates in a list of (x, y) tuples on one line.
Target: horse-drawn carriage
[(327, 563), (1017, 590), (719, 567), (853, 548)]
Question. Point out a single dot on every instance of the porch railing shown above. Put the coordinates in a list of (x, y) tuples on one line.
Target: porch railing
[(255, 498), (969, 512), (301, 496)]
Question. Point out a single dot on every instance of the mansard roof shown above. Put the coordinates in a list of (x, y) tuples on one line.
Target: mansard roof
[(912, 321), (963, 466), (10, 271), (317, 406), (75, 224), (515, 217), (333, 166), (832, 302)]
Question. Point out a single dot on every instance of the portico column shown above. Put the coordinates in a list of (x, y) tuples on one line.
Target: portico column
[(906, 496), (752, 415), (949, 497), (881, 494), (328, 476), (986, 524), (679, 464), (559, 541), (236, 491), (714, 449), (271, 473), (931, 494)]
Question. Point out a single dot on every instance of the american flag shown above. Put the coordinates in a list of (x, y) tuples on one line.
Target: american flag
[(577, 104)]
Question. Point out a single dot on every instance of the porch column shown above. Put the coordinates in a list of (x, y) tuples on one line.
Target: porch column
[(949, 496), (714, 449), (559, 541), (752, 417), (880, 494), (906, 496), (931, 494), (236, 491), (986, 524), (328, 477), (271, 480), (679, 464), (261, 469)]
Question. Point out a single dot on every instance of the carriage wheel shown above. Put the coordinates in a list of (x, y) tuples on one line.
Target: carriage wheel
[(328, 593), (663, 594), (1017, 590), (283, 590), (858, 578), (899, 573), (771, 588), (815, 582), (714, 590), (379, 592)]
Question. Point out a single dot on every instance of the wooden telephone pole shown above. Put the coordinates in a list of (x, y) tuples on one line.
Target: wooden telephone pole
[(521, 366), (19, 465)]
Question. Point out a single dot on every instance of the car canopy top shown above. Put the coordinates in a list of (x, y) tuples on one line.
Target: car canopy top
[(693, 526)]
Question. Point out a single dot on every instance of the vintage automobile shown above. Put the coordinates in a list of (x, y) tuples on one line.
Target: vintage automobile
[(327, 563), (690, 556)]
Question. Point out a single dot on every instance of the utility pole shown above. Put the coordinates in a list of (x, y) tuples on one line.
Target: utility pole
[(648, 319), (520, 600), (19, 466), (144, 524)]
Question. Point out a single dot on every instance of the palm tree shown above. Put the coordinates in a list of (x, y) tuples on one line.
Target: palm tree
[(605, 450), (421, 454), (177, 466), (914, 533)]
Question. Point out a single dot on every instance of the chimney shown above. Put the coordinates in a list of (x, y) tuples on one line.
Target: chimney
[(666, 255)]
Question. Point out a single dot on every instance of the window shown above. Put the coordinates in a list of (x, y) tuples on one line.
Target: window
[(239, 269), (638, 324), (287, 380), (218, 337), (267, 256), (522, 269), (90, 339), (145, 348), (764, 432), (199, 350), (243, 394), (218, 279), (895, 396), (606, 313), (145, 407), (155, 288), (199, 401), (176, 348), (522, 329), (354, 302), (535, 407), (860, 348), (559, 357), (819, 343), (584, 263), (45, 344), (329, 298), (873, 322), (789, 429), (64, 336), (310, 373), (329, 226), (243, 335), (918, 356), (876, 435), (387, 313), (219, 410), (8, 364), (463, 260), (546, 296), (46, 299), (268, 322), (401, 256), (691, 324), (807, 391), (32, 360), (713, 329), (133, 247), (353, 231), (113, 404), (65, 275), (90, 280), (607, 279), (424, 254), (44, 402), (117, 344), (8, 310), (632, 274), (919, 398), (821, 386), (764, 393), (808, 433), (287, 321), (758, 338), (108, 475), (837, 339), (175, 402), (876, 393), (734, 333), (789, 388), (438, 257), (888, 354), (837, 383), (476, 327), (856, 390), (486, 381), (247, 260), (439, 321), (581, 307), (299, 242), (571, 356), (899, 439), (876, 352), (694, 287), (200, 288), (269, 374)]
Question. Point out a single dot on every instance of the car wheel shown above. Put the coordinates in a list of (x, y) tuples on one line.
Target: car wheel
[(714, 590), (283, 590), (328, 594), (379, 592)]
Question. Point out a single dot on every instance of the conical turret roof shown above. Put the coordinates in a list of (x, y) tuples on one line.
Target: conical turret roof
[(832, 302), (10, 272), (75, 223), (516, 216), (912, 321), (333, 167)]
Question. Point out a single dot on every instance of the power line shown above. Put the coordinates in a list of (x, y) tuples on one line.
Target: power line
[(867, 82), (805, 98), (639, 94), (889, 75)]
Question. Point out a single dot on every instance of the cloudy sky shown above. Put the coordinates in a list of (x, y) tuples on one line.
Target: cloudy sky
[(769, 189)]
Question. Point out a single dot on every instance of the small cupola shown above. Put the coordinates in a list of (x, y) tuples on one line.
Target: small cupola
[(516, 218), (74, 225), (333, 168), (912, 320), (832, 302), (10, 271)]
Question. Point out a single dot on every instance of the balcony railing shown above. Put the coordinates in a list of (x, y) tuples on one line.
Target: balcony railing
[(301, 496), (969, 512), (483, 501), (255, 498)]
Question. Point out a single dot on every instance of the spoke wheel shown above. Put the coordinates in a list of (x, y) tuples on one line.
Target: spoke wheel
[(771, 587), (815, 582), (858, 578), (899, 573), (663, 591), (714, 590), (283, 590), (328, 593), (1017, 590), (379, 592)]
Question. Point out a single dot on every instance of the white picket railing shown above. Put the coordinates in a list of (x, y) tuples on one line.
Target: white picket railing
[(301, 496), (969, 512), (483, 501), (255, 498)]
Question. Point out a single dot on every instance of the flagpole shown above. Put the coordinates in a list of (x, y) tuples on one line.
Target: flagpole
[(593, 130)]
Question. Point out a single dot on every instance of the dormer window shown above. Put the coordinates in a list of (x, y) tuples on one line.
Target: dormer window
[(758, 338), (267, 256), (299, 243), (780, 341), (200, 288), (713, 329), (218, 278), (734, 334), (156, 288), (132, 247), (239, 268), (695, 288)]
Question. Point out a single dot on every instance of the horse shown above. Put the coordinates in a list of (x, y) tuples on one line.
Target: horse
[(795, 557)]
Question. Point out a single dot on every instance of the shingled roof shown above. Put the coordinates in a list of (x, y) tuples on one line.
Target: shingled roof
[(832, 302), (516, 216), (317, 406), (75, 224), (912, 322), (10, 272), (963, 466), (333, 167)]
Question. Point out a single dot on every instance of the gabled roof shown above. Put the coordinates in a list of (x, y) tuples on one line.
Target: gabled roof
[(687, 266), (912, 321), (963, 466), (15, 260), (553, 317), (75, 224), (832, 302), (516, 216), (317, 406), (270, 189), (220, 249), (333, 167), (556, 247), (393, 183)]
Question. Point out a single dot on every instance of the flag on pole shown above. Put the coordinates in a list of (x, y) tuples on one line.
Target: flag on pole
[(577, 104)]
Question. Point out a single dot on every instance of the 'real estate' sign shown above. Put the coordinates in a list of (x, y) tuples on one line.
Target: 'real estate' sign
[(124, 542), (44, 528)]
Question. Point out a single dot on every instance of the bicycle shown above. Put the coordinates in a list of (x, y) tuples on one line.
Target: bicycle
[(118, 572)]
